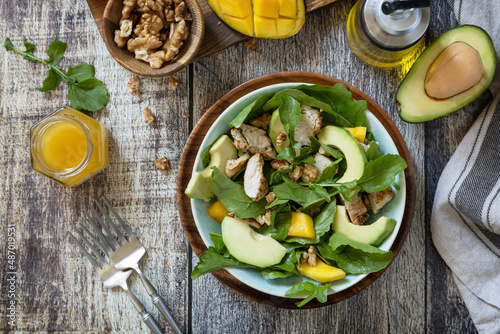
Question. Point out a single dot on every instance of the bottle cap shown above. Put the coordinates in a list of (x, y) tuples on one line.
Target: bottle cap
[(396, 31)]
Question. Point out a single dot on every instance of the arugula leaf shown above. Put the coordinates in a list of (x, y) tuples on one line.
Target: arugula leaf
[(292, 191), (322, 224), (281, 218), (319, 190), (381, 172), (251, 111), (205, 156), (373, 151), (349, 112), (85, 91), (303, 99), (89, 94), (52, 80), (290, 116), (211, 260), (30, 48), (55, 51), (286, 154), (356, 257), (274, 274), (219, 245), (336, 154), (234, 198), (329, 172), (81, 72), (318, 291)]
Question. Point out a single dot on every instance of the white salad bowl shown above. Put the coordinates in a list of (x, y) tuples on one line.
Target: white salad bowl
[(250, 277)]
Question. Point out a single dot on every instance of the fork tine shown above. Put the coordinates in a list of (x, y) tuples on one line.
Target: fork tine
[(94, 239), (120, 220), (94, 251), (102, 238), (108, 219), (84, 251), (109, 235)]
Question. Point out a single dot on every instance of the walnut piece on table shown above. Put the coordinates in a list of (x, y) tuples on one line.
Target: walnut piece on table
[(161, 163), (154, 30), (173, 82), (133, 85), (148, 115)]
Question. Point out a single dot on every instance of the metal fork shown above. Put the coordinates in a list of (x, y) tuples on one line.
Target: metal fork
[(111, 276), (125, 255)]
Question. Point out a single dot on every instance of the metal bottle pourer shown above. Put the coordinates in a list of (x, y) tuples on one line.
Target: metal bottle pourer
[(395, 25)]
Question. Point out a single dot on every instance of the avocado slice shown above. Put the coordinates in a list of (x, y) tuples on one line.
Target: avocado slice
[(250, 247), (200, 185), (275, 127), (352, 150), (372, 234), (415, 105)]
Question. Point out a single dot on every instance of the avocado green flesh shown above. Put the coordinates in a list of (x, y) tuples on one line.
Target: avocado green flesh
[(250, 247), (415, 105), (372, 234), (353, 152), (275, 127), (200, 184)]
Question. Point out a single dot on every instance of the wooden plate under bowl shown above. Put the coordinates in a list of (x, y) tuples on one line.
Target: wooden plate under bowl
[(191, 150)]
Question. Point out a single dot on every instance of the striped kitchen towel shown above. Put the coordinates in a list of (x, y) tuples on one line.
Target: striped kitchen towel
[(465, 223)]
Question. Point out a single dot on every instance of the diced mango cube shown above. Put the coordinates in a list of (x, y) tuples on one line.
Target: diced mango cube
[(288, 8), (265, 27), (217, 211), (285, 26), (267, 8), (321, 272), (358, 132), (236, 8), (245, 26), (302, 226)]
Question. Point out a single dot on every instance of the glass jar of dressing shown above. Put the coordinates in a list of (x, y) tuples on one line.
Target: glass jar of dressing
[(387, 33), (68, 147)]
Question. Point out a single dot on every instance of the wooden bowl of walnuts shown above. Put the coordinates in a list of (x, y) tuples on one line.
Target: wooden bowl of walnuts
[(153, 37)]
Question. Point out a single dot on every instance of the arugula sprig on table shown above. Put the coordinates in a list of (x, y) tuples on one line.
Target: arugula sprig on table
[(85, 91)]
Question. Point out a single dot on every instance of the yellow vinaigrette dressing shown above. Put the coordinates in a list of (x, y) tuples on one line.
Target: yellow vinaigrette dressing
[(69, 147)]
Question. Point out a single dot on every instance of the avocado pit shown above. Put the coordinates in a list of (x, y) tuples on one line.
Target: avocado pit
[(456, 69)]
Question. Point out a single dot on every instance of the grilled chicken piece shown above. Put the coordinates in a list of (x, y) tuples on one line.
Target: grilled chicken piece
[(309, 125), (321, 163), (254, 182), (309, 173), (233, 166), (356, 210), (279, 164), (255, 140), (380, 198), (261, 122)]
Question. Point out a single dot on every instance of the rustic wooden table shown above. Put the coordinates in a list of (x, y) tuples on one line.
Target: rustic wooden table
[(56, 289)]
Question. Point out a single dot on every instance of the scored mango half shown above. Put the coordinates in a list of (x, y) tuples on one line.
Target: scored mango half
[(262, 18)]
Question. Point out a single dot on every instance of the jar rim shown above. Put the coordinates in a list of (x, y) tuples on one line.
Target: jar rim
[(37, 132)]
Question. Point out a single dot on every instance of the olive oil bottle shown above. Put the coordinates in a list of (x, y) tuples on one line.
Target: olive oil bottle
[(388, 34)]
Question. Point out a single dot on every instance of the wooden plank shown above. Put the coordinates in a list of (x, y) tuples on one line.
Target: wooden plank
[(57, 290)]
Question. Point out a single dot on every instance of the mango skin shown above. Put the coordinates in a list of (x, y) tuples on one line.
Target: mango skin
[(321, 272), (302, 226), (261, 18), (217, 211)]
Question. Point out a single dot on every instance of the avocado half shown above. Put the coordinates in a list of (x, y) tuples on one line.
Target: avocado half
[(414, 105)]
